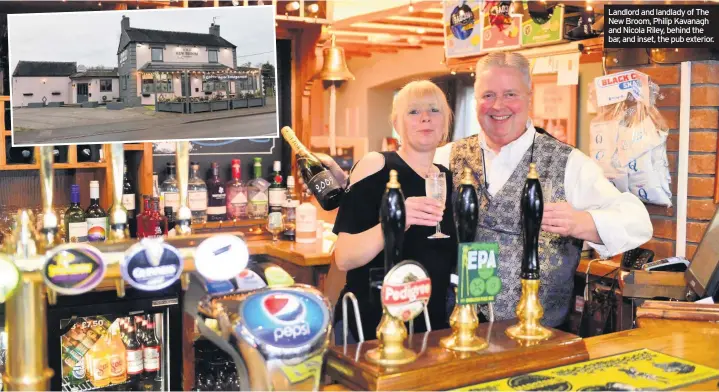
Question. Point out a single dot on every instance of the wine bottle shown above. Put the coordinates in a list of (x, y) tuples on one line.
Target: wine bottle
[(393, 219), (128, 201), (97, 223), (532, 210), (466, 208), (317, 177)]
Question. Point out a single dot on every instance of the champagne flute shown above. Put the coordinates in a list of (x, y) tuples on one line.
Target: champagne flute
[(436, 188), (275, 224)]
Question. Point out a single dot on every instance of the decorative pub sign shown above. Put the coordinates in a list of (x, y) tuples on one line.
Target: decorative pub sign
[(477, 267)]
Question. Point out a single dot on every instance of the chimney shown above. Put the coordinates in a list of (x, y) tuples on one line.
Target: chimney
[(125, 23), (215, 29)]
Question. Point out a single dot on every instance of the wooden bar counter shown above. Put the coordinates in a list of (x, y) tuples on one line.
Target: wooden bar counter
[(695, 341)]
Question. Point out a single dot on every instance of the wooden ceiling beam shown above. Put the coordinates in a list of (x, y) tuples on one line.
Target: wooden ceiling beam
[(417, 20), (407, 37), (418, 6), (395, 28)]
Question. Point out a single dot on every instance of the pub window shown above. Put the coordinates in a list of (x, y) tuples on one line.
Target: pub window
[(164, 85), (106, 85), (212, 56), (214, 86), (157, 54)]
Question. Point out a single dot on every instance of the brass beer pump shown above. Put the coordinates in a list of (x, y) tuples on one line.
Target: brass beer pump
[(529, 310), (391, 331), (464, 320)]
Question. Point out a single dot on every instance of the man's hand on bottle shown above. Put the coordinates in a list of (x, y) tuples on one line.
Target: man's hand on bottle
[(423, 211), (334, 168)]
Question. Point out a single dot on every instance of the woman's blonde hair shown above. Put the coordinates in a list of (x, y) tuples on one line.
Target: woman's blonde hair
[(417, 90)]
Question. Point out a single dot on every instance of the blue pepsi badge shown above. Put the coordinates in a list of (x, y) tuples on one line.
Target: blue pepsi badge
[(285, 318)]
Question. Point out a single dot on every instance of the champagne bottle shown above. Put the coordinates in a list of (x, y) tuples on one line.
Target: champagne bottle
[(532, 210), (317, 177), (393, 218), (466, 208)]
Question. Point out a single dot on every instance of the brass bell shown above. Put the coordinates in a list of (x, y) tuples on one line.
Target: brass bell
[(334, 67)]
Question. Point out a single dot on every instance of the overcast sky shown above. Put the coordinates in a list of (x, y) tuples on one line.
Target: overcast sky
[(92, 38)]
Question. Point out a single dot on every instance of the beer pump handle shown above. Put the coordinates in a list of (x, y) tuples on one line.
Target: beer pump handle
[(49, 219), (183, 218), (532, 210), (466, 208), (118, 214), (393, 218)]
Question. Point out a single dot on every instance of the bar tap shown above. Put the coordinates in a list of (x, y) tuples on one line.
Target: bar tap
[(50, 229), (119, 230), (391, 331), (529, 309), (183, 215), (464, 320)]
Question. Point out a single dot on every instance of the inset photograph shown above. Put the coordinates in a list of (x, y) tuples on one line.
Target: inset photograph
[(143, 76)]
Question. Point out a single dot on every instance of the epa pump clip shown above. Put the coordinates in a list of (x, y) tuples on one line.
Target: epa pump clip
[(477, 280)]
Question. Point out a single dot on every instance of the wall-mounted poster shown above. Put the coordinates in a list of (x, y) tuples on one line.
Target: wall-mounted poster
[(501, 28), (554, 108), (539, 26), (462, 28)]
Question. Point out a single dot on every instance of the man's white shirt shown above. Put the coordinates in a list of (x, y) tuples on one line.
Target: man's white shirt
[(621, 219)]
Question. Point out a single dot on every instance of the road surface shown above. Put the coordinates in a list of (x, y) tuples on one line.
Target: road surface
[(244, 126)]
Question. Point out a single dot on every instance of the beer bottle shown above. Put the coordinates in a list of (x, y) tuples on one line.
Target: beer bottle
[(135, 362), (151, 353)]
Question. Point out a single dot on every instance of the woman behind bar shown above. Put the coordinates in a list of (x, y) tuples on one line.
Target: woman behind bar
[(421, 116)]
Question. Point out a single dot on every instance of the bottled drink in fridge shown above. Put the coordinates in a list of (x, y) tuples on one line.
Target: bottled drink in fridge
[(151, 353), (133, 353), (118, 358), (317, 177)]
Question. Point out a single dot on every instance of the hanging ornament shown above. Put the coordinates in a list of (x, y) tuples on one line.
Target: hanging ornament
[(498, 13), (461, 21)]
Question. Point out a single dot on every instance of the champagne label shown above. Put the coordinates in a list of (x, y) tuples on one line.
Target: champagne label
[(128, 201), (135, 364), (277, 196), (197, 200), (77, 231), (100, 368), (322, 184), (97, 229), (172, 199), (151, 358), (117, 365)]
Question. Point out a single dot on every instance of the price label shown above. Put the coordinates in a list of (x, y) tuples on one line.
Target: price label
[(477, 266), (151, 265), (74, 269)]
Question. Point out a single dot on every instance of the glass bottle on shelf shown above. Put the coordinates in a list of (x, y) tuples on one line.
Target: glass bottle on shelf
[(197, 195), (96, 215), (236, 193), (257, 193), (142, 219), (217, 203), (75, 220), (128, 201), (277, 192), (169, 190), (170, 215), (157, 222)]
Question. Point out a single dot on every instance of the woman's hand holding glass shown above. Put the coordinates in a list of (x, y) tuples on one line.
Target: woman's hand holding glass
[(423, 211), (436, 188)]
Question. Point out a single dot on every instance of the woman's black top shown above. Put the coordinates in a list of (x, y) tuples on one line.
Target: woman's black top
[(359, 211)]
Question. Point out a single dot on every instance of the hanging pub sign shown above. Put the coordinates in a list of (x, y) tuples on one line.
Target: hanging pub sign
[(541, 24), (501, 27), (462, 32), (225, 77)]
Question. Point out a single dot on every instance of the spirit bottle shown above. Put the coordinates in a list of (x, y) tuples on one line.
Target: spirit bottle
[(257, 193), (277, 192), (197, 195), (236, 193), (217, 205), (96, 216), (169, 191), (128, 201), (75, 221)]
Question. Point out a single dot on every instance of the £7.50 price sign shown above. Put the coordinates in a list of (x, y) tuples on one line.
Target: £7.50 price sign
[(477, 266)]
